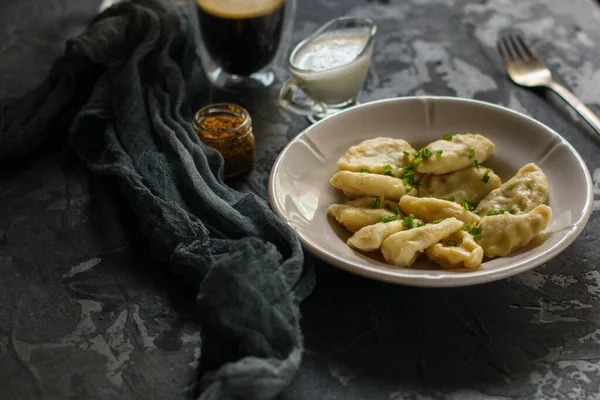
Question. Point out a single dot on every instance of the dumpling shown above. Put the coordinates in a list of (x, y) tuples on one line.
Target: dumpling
[(357, 184), (374, 154), (458, 250), (361, 212), (371, 237), (504, 233), (430, 209), (459, 152), (461, 185), (402, 249), (523, 192)]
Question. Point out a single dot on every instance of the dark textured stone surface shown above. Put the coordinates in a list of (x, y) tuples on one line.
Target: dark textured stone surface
[(81, 317)]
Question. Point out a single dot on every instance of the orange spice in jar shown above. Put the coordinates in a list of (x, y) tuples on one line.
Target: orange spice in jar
[(227, 127)]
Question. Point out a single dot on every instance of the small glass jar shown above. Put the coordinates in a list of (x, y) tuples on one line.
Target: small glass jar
[(227, 127)]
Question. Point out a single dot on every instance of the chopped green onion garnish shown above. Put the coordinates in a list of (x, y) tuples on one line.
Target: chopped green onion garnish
[(389, 219), (500, 212), (392, 208), (451, 243), (477, 164), (468, 205), (426, 153), (418, 154), (417, 160), (419, 224), (449, 198), (406, 153), (486, 175), (476, 212), (447, 136), (472, 153), (388, 170), (365, 170), (496, 212), (438, 153), (476, 233), (408, 176), (437, 221), (408, 222), (375, 203)]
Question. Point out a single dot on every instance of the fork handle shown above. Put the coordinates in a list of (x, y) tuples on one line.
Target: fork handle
[(577, 104)]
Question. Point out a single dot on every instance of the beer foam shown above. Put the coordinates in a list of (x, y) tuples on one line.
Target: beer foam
[(239, 9)]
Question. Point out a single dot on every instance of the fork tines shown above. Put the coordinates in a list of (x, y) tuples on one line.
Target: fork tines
[(512, 48)]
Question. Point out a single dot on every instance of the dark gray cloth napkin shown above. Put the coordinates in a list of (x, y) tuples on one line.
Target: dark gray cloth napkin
[(119, 97)]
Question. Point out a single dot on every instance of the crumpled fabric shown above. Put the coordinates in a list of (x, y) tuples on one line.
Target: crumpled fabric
[(119, 98)]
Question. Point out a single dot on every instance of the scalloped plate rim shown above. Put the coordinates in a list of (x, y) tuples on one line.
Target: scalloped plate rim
[(395, 275)]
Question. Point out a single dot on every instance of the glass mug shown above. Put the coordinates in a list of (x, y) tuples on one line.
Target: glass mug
[(242, 41), (330, 67)]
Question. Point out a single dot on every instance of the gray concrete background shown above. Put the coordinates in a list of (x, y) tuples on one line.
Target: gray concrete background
[(85, 314)]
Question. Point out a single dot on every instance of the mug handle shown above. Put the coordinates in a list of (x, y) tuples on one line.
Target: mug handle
[(286, 100)]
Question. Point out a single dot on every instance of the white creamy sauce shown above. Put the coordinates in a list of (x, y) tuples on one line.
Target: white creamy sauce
[(333, 66), (330, 51)]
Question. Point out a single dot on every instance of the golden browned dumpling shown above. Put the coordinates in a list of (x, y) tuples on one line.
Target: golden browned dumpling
[(521, 193), (466, 184), (361, 212), (504, 233), (374, 154), (370, 238), (459, 152), (402, 249), (458, 250), (430, 209), (357, 184)]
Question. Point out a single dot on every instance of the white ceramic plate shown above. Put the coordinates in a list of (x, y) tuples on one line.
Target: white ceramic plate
[(300, 192)]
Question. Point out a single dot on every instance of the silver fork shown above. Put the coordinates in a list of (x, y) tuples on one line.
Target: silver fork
[(526, 69)]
